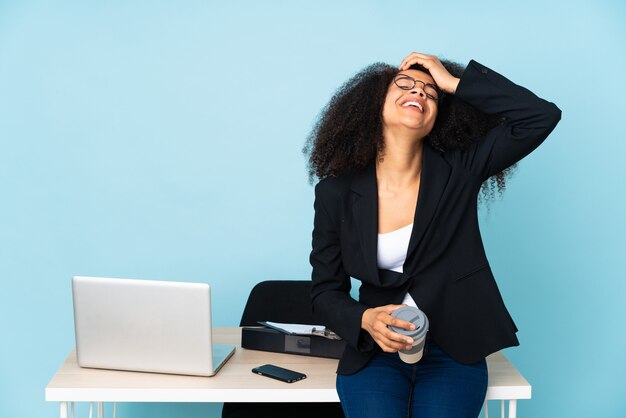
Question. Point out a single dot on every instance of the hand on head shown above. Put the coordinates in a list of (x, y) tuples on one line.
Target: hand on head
[(444, 80)]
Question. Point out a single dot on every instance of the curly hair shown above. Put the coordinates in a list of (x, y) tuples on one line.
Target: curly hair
[(348, 133)]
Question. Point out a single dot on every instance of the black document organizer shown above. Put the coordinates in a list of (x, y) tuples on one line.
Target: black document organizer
[(267, 339)]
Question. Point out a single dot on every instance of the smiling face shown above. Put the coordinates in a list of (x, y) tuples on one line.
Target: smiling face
[(410, 109)]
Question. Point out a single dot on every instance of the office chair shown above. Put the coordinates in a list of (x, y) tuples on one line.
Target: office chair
[(286, 301)]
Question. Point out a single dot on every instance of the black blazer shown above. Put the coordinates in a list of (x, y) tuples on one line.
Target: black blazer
[(446, 270)]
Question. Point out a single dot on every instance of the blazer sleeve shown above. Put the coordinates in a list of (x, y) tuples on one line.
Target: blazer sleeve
[(330, 291), (529, 120)]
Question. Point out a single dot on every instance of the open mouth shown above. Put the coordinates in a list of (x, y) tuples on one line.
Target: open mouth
[(415, 104)]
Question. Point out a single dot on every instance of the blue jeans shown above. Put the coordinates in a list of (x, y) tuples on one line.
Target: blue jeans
[(435, 387)]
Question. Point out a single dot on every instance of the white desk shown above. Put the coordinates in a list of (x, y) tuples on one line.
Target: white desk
[(236, 383)]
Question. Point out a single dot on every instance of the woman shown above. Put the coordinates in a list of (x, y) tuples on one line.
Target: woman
[(402, 156)]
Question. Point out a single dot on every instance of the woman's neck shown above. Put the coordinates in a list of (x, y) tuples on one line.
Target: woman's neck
[(400, 164)]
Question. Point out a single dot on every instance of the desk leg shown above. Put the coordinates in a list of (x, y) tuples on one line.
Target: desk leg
[(512, 408), (63, 409), (100, 410)]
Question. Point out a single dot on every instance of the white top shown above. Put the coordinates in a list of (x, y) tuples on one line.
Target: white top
[(392, 249)]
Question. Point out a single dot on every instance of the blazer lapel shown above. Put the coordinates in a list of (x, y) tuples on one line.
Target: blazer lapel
[(433, 181), (365, 213), (434, 178)]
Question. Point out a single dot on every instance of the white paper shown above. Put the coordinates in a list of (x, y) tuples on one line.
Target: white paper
[(302, 329)]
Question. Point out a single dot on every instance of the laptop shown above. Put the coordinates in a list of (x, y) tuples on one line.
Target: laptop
[(146, 326)]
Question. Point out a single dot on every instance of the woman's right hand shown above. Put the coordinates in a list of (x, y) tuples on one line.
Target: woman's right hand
[(376, 320), (446, 81)]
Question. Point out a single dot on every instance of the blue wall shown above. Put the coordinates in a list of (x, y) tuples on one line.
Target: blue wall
[(163, 140)]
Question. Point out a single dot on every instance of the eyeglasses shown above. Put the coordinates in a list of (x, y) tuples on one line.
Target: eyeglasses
[(406, 82)]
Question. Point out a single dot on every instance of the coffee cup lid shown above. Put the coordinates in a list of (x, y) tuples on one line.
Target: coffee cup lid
[(414, 315)]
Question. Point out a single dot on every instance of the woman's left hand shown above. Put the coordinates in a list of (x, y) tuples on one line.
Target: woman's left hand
[(444, 80)]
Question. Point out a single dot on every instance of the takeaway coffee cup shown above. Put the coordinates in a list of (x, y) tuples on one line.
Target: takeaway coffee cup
[(419, 319)]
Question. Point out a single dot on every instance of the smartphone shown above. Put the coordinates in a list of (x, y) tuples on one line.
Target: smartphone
[(279, 373)]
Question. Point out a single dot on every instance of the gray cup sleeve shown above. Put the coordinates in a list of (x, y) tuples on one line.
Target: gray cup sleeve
[(416, 349)]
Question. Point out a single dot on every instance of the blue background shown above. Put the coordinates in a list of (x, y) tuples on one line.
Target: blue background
[(163, 140)]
